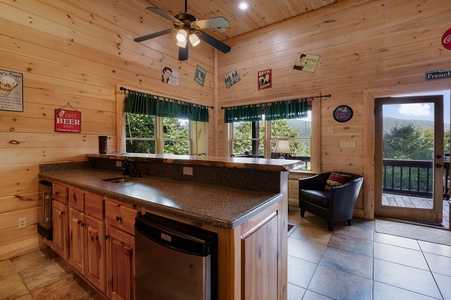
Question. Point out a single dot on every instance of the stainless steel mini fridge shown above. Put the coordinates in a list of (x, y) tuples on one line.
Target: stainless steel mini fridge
[(174, 260)]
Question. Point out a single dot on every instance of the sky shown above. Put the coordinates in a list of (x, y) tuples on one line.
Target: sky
[(420, 111)]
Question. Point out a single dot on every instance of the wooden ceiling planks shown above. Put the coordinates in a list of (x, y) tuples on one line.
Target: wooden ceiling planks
[(260, 13)]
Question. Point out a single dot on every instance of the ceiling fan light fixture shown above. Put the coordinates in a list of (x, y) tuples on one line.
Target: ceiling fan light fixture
[(194, 40), (182, 43), (181, 35)]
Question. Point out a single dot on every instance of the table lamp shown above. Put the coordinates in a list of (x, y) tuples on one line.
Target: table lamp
[(282, 147)]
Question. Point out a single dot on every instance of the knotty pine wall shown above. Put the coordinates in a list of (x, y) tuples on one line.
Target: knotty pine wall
[(368, 49), (81, 51), (76, 52)]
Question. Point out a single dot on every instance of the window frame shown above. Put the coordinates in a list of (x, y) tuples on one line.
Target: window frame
[(315, 138)]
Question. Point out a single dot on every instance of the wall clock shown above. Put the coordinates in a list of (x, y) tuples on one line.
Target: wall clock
[(342, 113)]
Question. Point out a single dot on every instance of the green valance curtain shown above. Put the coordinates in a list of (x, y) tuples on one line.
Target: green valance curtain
[(288, 109), (148, 104), (251, 112)]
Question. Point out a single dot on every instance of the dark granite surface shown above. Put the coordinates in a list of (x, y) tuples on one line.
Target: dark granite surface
[(215, 205)]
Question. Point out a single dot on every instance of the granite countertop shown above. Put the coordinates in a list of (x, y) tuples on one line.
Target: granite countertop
[(218, 206)]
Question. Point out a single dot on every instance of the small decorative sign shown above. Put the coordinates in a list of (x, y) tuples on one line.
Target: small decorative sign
[(306, 62), (446, 39), (342, 113), (199, 76), (440, 74), (169, 76), (11, 91), (231, 78), (264, 79), (67, 120)]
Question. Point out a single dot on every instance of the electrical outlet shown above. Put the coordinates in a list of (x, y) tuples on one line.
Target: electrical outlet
[(22, 222), (187, 171), (118, 163), (347, 144)]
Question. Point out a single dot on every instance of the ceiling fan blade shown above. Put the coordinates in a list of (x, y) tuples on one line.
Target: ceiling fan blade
[(153, 35), (163, 14), (213, 22), (213, 42), (183, 52)]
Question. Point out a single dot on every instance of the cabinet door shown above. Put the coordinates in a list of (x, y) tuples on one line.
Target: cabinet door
[(60, 229), (95, 270), (77, 240), (259, 261), (120, 264)]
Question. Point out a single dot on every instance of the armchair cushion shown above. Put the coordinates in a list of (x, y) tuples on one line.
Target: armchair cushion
[(337, 179), (318, 197)]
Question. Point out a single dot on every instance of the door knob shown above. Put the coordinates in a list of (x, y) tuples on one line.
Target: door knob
[(439, 165)]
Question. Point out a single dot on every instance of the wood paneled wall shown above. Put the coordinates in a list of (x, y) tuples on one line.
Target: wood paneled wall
[(366, 47), (76, 52)]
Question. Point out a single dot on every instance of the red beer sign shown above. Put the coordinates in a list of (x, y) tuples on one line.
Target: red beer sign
[(67, 120)]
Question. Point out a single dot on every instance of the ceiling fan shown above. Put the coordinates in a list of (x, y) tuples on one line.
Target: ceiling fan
[(189, 28)]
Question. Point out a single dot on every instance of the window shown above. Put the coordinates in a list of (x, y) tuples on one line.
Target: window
[(140, 133), (143, 134), (258, 139)]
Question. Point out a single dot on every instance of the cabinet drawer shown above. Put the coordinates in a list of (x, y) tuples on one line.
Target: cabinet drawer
[(77, 199), (60, 193), (94, 206), (121, 215)]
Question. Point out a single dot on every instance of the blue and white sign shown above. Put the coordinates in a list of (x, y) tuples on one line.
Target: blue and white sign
[(438, 74)]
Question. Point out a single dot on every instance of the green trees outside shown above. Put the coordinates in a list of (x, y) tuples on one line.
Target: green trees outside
[(279, 129), (408, 142), (175, 135)]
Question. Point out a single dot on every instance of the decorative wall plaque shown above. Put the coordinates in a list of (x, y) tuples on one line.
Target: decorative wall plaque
[(342, 113)]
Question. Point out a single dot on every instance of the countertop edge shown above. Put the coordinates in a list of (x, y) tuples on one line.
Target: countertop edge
[(191, 216)]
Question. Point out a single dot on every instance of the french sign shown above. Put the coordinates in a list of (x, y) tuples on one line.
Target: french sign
[(440, 74)]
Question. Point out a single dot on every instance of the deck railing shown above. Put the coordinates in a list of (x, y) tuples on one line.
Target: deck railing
[(411, 177)]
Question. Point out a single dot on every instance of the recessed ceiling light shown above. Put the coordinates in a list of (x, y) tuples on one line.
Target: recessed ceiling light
[(243, 5)]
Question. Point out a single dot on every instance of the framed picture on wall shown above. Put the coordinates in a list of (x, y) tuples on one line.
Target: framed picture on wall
[(199, 76), (11, 91)]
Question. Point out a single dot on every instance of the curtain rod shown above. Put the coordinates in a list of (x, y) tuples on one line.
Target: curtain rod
[(264, 103), (124, 89)]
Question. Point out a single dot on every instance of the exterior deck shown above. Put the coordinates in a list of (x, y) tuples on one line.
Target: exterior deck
[(416, 202)]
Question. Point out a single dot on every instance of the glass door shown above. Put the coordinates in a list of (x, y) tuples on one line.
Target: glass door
[(409, 160)]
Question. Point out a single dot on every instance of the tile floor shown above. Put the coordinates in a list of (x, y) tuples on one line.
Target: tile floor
[(353, 262)]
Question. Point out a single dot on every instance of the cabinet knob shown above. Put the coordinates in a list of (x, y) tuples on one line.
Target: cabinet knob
[(63, 213), (57, 193), (119, 219), (107, 237)]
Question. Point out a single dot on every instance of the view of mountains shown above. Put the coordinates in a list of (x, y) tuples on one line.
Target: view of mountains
[(389, 123)]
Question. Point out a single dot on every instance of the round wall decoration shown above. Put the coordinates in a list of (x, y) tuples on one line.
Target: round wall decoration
[(342, 113)]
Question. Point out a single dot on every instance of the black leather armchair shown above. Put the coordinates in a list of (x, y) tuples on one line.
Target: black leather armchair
[(337, 204)]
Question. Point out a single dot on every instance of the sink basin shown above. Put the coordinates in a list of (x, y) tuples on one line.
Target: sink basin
[(119, 179)]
